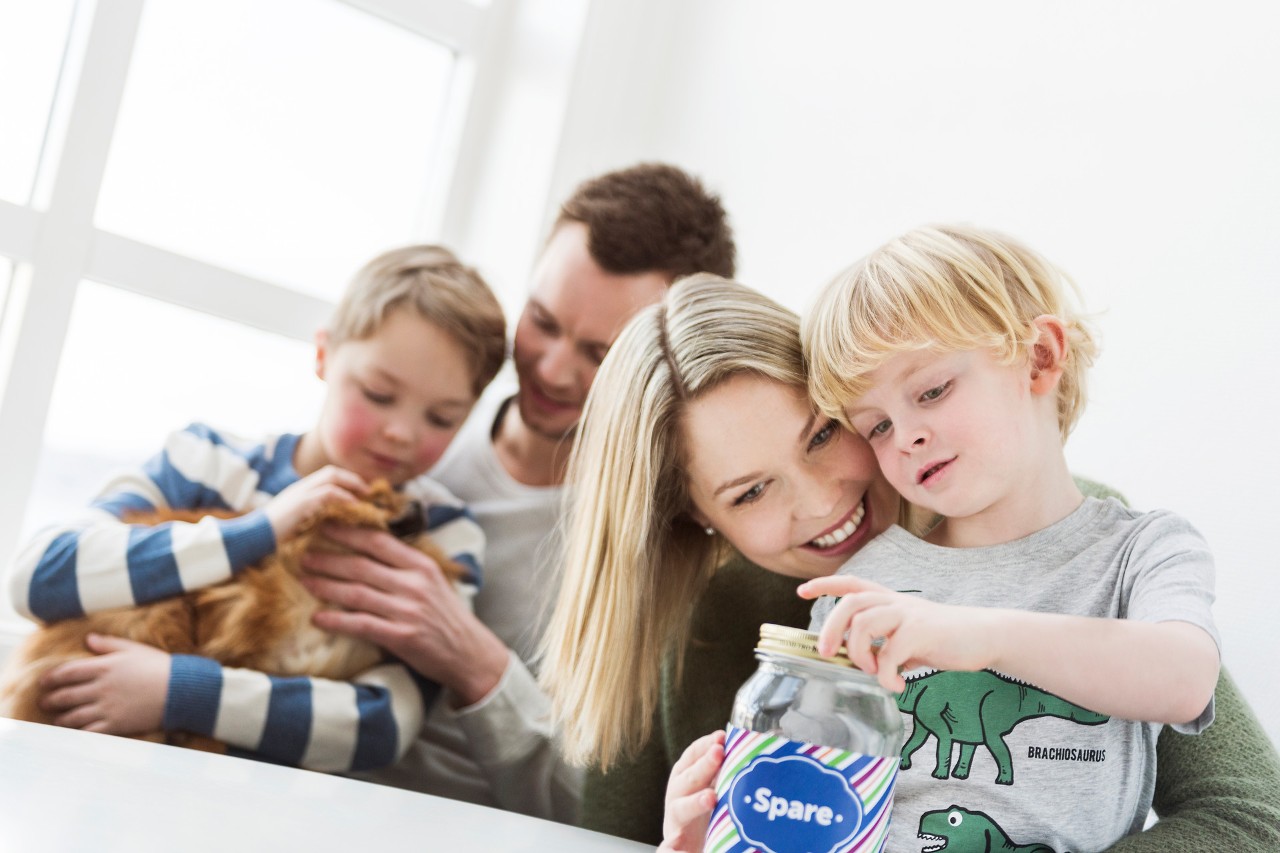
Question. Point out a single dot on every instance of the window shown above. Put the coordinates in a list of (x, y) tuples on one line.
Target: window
[(184, 189), (292, 157), (6, 273), (33, 37), (138, 368)]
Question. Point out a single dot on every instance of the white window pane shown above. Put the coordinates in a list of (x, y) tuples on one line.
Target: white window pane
[(33, 34), (288, 139), (6, 276), (134, 369)]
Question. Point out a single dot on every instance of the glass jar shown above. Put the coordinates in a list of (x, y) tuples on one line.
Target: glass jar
[(811, 754)]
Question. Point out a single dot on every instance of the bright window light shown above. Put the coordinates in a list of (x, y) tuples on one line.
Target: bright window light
[(6, 276), (136, 369), (32, 38), (289, 155)]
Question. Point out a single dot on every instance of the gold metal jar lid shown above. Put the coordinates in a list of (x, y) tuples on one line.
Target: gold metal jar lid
[(798, 643)]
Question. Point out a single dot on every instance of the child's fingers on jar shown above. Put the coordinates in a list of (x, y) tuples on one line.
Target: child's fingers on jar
[(832, 634), (838, 622), (867, 634), (893, 657), (837, 585)]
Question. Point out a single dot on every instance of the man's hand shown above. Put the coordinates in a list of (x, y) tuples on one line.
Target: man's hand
[(396, 597), (120, 692)]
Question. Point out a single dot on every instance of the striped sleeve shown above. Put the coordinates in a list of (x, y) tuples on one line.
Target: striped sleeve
[(331, 726), (95, 561), (314, 723), (452, 526)]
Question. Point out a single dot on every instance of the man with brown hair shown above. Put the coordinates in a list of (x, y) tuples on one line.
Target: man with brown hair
[(620, 239)]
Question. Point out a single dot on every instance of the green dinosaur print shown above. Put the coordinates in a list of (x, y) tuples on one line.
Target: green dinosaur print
[(962, 831), (971, 708)]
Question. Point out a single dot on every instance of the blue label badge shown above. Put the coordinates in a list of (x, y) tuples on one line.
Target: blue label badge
[(794, 803)]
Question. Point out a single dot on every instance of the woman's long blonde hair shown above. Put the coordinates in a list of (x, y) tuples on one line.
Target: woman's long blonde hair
[(635, 561)]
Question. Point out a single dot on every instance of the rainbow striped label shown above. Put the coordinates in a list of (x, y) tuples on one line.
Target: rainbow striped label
[(778, 796)]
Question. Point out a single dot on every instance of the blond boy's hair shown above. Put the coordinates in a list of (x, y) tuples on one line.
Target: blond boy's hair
[(943, 288), (441, 289)]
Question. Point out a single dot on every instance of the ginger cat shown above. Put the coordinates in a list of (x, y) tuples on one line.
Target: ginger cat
[(260, 619)]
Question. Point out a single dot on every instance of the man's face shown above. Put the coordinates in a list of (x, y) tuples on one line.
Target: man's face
[(574, 313)]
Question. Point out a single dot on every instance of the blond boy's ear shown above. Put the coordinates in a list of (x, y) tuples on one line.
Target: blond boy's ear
[(1048, 353), (322, 349)]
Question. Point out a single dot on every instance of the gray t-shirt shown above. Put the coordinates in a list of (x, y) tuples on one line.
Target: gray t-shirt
[(989, 757)]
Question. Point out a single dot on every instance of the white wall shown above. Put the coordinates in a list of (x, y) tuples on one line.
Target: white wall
[(1134, 144)]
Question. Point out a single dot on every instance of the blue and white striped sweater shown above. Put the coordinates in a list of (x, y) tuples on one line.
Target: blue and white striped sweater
[(96, 562)]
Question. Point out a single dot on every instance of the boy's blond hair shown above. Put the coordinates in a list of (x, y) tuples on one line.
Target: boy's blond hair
[(441, 289), (943, 288)]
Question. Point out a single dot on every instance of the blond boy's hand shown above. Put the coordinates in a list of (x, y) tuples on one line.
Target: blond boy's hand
[(691, 797), (304, 498), (915, 632), (121, 691)]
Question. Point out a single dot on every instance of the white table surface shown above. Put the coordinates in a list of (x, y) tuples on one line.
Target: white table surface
[(65, 790)]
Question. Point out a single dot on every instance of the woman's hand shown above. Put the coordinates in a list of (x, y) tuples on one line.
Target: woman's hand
[(691, 795), (122, 691), (396, 597), (909, 631)]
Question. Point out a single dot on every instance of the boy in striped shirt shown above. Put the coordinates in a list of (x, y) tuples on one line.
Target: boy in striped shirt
[(414, 340)]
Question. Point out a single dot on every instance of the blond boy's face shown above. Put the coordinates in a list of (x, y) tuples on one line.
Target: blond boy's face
[(395, 399), (957, 433)]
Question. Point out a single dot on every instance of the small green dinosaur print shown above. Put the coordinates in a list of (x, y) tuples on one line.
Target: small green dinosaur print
[(962, 831), (971, 708)]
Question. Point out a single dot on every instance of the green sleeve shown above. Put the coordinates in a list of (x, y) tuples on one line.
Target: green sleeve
[(1218, 790), (1094, 489), (627, 799)]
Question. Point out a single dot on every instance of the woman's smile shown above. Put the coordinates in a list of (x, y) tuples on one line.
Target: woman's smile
[(842, 533)]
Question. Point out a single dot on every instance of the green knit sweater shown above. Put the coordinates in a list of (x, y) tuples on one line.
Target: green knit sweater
[(1219, 790)]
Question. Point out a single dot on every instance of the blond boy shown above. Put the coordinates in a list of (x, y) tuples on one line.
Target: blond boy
[(414, 340), (1035, 626)]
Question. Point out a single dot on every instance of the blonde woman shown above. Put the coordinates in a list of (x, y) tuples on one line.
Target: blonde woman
[(700, 461)]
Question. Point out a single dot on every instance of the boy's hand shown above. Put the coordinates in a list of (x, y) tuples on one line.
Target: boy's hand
[(304, 498), (120, 692), (691, 796), (915, 632)]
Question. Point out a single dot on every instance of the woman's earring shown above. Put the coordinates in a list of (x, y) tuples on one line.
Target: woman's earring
[(710, 531)]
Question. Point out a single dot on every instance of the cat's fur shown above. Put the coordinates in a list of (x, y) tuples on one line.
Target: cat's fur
[(260, 619)]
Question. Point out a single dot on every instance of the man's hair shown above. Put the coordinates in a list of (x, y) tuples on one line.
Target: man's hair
[(441, 289), (946, 289), (652, 217)]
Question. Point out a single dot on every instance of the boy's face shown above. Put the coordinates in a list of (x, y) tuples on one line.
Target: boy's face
[(574, 313), (395, 399), (956, 433)]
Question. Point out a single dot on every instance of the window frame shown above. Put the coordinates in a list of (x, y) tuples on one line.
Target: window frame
[(54, 244)]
